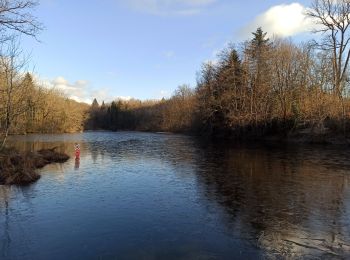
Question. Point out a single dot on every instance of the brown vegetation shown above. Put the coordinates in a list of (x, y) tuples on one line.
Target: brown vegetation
[(261, 88), (266, 88), (167, 115), (25, 105), (20, 168)]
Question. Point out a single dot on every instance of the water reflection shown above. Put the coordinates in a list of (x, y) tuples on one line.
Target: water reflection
[(259, 201), (5, 234), (287, 204), (77, 163)]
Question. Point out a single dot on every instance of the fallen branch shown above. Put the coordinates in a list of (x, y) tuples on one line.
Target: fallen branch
[(311, 247)]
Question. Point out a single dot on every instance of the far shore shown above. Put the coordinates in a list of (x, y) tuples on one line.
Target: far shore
[(305, 137)]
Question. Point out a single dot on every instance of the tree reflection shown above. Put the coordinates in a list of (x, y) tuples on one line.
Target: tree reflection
[(283, 201), (5, 238)]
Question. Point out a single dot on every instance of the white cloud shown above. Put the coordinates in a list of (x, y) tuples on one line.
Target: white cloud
[(170, 7), (101, 95), (281, 20), (123, 98), (80, 90)]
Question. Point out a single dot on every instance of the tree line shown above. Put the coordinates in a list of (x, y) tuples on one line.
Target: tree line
[(257, 88), (28, 107), (263, 86), (25, 105), (175, 114)]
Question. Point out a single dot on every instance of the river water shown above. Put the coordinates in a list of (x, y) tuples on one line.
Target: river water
[(156, 196)]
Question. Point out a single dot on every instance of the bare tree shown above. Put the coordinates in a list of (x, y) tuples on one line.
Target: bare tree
[(13, 92), (15, 17), (333, 18), (287, 74)]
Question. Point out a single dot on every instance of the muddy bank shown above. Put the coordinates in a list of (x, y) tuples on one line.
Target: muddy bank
[(19, 168)]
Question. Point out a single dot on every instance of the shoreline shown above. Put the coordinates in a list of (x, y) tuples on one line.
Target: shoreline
[(299, 137), (20, 168)]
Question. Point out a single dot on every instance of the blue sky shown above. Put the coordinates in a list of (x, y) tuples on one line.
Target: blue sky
[(145, 48)]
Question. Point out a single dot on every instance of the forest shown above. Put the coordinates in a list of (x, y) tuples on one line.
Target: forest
[(265, 86), (262, 87), (27, 106)]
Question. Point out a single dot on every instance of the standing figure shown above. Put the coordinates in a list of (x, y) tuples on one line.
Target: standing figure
[(77, 151)]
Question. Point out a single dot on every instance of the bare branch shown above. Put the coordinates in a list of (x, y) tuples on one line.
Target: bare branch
[(334, 19), (15, 17)]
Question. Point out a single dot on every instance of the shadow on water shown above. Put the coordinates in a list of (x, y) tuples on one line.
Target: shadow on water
[(268, 201), (288, 201)]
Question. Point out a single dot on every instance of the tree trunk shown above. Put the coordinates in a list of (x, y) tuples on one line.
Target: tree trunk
[(3, 142)]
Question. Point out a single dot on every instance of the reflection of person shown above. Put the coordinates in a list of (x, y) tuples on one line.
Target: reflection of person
[(77, 163), (77, 151)]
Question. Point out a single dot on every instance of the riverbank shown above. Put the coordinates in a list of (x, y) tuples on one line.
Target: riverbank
[(19, 168), (308, 135), (174, 183), (305, 137)]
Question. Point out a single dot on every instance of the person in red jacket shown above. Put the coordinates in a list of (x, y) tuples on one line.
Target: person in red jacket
[(77, 150)]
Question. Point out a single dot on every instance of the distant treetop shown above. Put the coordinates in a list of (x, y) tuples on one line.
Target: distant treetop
[(95, 103)]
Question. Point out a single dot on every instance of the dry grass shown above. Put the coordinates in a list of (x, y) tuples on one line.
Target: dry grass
[(19, 168)]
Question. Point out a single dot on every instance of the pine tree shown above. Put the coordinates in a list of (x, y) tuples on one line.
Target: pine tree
[(95, 104), (31, 102), (258, 56)]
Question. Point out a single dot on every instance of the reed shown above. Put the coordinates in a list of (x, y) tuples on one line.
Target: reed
[(19, 168)]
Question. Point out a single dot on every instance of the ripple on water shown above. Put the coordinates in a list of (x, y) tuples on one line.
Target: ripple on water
[(143, 195)]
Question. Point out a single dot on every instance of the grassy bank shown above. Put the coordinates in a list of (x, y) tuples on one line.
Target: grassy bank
[(19, 168)]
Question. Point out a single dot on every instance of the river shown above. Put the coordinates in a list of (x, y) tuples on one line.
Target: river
[(158, 196)]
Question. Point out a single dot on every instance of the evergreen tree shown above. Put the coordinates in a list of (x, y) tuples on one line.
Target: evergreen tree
[(95, 104), (258, 54), (31, 101), (114, 115)]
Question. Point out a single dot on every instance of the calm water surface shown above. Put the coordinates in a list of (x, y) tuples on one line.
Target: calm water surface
[(154, 196)]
